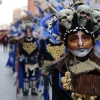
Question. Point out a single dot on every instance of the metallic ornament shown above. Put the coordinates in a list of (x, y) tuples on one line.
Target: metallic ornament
[(29, 47), (55, 51)]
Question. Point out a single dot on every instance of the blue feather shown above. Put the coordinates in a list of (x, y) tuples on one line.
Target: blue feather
[(53, 40), (58, 1), (18, 21), (34, 27), (33, 19), (40, 21), (40, 10), (98, 42), (59, 8), (88, 3), (55, 29), (28, 13), (46, 34), (45, 19)]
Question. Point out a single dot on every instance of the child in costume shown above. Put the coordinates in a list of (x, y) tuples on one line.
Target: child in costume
[(14, 34), (27, 70), (76, 75), (50, 49)]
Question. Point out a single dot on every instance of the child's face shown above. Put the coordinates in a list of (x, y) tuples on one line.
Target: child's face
[(79, 44), (28, 33)]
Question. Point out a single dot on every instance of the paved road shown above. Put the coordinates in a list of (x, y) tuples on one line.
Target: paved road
[(7, 89)]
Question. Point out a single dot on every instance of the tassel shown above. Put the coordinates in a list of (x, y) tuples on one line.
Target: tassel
[(50, 92), (33, 74), (27, 74)]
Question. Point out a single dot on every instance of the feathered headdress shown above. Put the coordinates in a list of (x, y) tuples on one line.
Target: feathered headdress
[(15, 31), (28, 13), (27, 25), (77, 3), (40, 10)]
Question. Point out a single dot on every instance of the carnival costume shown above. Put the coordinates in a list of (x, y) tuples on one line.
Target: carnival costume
[(50, 49), (76, 75), (14, 34), (27, 67)]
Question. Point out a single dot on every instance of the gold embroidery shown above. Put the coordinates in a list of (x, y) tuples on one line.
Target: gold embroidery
[(55, 51), (29, 47)]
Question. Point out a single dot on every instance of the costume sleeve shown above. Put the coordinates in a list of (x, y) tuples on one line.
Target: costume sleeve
[(41, 53)]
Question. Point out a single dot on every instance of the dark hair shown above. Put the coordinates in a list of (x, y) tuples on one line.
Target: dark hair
[(26, 28)]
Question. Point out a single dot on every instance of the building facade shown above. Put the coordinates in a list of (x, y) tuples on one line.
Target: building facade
[(32, 6), (19, 13)]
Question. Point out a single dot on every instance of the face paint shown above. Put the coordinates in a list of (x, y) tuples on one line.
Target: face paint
[(28, 33), (80, 52), (80, 41), (79, 44)]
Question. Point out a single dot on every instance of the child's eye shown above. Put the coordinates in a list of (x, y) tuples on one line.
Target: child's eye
[(86, 37), (73, 39)]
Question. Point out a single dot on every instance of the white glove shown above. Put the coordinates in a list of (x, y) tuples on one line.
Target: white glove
[(15, 74)]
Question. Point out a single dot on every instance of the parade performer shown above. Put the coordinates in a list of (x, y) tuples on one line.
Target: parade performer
[(14, 35), (76, 75), (27, 70), (50, 49)]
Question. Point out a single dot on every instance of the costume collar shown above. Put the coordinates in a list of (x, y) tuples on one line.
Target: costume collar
[(29, 39)]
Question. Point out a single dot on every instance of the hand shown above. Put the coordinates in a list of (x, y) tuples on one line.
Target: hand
[(17, 65)]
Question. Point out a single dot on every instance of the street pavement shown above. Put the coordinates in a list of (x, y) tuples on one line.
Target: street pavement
[(7, 88)]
